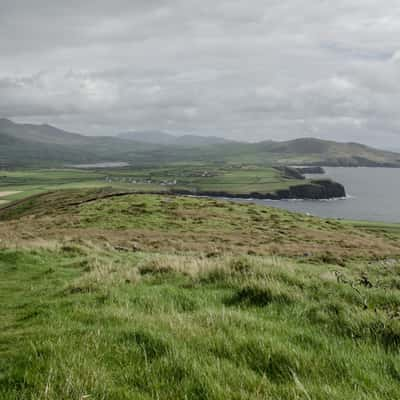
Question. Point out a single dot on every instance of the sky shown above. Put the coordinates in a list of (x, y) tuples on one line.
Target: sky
[(245, 70)]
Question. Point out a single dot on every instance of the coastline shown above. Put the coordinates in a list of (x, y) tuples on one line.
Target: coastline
[(315, 190)]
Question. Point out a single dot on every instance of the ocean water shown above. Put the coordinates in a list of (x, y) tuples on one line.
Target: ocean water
[(373, 194)]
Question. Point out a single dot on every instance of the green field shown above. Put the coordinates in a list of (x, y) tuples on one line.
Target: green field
[(203, 177), (110, 296)]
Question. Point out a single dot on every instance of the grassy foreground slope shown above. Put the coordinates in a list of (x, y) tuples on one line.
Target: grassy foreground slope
[(110, 296)]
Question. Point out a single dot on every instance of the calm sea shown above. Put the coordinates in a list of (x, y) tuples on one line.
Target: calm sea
[(373, 194)]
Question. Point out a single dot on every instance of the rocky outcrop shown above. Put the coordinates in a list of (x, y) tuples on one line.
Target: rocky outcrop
[(315, 190)]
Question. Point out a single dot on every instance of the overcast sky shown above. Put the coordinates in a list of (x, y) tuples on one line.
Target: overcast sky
[(259, 69)]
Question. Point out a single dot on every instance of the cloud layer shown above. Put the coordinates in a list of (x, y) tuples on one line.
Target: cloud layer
[(263, 69)]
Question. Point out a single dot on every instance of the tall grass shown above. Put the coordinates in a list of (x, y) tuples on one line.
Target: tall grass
[(82, 322)]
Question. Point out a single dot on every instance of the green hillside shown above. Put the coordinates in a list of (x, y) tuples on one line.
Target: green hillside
[(115, 297), (305, 151), (43, 145)]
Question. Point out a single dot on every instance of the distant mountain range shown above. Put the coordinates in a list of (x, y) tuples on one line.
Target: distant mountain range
[(28, 144), (166, 139), (45, 145), (40, 133)]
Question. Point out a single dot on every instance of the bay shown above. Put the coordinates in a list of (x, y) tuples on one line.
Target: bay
[(373, 194)]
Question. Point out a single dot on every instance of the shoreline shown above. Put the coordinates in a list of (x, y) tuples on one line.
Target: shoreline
[(315, 190)]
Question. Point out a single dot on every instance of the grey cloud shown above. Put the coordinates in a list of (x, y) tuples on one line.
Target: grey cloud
[(259, 70)]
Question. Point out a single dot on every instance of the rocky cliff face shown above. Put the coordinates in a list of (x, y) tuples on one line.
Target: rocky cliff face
[(315, 190)]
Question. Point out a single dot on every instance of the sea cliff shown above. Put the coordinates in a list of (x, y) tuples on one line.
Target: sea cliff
[(322, 189)]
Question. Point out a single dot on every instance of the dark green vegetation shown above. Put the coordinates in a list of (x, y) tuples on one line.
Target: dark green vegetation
[(43, 145), (113, 296)]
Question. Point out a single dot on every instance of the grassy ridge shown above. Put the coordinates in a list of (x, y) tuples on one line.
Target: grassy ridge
[(156, 222)]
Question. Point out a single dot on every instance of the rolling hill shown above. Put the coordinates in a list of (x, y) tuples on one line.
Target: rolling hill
[(324, 152), (41, 133), (44, 145)]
